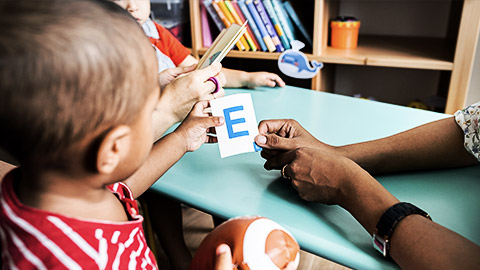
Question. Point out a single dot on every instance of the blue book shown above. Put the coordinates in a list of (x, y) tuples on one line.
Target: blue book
[(293, 15), (284, 20), (268, 24), (252, 24), (261, 27), (213, 14), (276, 23), (289, 21)]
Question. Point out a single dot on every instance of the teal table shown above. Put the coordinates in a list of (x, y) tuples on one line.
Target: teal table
[(239, 185)]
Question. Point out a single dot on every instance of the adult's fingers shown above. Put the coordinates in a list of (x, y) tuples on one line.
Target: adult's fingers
[(211, 95), (274, 126), (278, 161), (210, 71), (183, 70), (273, 141)]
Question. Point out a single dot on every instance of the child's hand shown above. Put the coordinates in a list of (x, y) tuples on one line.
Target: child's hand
[(263, 79), (168, 75), (223, 258), (194, 128)]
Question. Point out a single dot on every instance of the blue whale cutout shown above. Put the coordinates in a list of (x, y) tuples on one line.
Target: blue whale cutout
[(295, 64)]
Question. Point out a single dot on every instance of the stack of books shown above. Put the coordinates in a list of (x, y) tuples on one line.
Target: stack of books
[(271, 24)]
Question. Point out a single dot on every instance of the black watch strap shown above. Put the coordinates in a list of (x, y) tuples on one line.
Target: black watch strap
[(388, 222)]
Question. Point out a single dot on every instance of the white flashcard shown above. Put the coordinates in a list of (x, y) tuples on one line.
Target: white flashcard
[(237, 135)]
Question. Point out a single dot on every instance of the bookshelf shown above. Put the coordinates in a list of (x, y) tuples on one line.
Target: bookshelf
[(452, 55)]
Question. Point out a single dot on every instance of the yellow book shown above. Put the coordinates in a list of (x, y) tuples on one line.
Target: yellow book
[(222, 44), (239, 21), (229, 16), (226, 22)]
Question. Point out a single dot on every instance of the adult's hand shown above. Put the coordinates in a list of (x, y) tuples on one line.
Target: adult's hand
[(178, 97), (279, 136), (170, 74), (317, 175)]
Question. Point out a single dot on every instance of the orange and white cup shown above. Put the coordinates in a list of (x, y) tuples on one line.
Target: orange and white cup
[(344, 32)]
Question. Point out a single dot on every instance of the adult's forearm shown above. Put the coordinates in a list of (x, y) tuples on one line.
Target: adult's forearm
[(416, 242), (437, 144)]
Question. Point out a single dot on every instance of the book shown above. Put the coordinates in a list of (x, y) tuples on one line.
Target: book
[(284, 20), (268, 24), (213, 14), (238, 20), (206, 35), (252, 24), (261, 27), (226, 22), (287, 18), (293, 15), (230, 18), (276, 23), (222, 45), (243, 19)]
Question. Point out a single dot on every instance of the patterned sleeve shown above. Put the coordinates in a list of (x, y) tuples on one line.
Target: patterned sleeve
[(468, 120)]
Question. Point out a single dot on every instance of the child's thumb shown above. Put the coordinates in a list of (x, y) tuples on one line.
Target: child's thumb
[(212, 121), (223, 258)]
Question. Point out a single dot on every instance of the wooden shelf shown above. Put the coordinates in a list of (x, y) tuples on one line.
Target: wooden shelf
[(455, 57), (248, 54), (403, 52)]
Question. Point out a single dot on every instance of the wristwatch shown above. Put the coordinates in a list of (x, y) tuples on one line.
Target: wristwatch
[(388, 222)]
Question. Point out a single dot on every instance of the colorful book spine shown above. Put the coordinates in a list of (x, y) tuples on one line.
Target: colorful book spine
[(243, 19), (268, 24), (276, 23), (252, 24), (258, 21), (229, 17), (206, 35), (226, 22), (293, 15), (284, 20), (213, 14), (239, 21), (289, 21)]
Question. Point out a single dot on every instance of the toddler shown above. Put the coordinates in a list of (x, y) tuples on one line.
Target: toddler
[(171, 53), (76, 107)]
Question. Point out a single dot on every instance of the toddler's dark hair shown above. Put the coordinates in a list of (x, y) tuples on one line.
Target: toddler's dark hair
[(69, 70)]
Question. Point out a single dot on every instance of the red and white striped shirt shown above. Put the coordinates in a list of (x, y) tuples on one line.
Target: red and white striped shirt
[(37, 239)]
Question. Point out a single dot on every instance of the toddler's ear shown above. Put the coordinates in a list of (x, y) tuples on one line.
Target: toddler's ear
[(113, 147)]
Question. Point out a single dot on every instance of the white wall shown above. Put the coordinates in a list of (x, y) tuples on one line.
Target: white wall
[(474, 89), (413, 18)]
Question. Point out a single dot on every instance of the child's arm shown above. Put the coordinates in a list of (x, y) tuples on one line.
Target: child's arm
[(238, 78), (188, 137)]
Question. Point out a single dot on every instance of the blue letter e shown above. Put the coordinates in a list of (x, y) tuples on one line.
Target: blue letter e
[(230, 122)]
